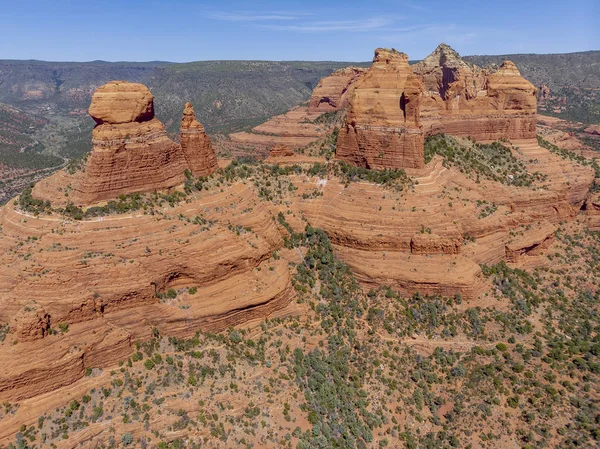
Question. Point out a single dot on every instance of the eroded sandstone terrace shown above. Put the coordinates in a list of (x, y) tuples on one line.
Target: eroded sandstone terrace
[(153, 235)]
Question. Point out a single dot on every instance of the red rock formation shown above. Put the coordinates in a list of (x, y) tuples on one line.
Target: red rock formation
[(83, 281), (31, 323), (464, 100), (334, 91), (593, 130), (544, 92), (196, 146), (434, 244), (295, 129), (382, 128), (132, 152), (281, 151)]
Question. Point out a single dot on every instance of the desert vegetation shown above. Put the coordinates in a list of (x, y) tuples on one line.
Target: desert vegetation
[(493, 161), (368, 369)]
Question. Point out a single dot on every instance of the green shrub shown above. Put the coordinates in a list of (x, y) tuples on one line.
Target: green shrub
[(149, 364)]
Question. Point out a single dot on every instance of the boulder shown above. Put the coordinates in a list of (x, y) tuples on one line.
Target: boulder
[(122, 102)]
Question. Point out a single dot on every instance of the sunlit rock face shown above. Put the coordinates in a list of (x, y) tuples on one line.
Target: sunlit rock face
[(463, 100), (382, 128)]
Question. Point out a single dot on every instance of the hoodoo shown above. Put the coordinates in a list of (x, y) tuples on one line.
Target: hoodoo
[(195, 143), (131, 150), (382, 128)]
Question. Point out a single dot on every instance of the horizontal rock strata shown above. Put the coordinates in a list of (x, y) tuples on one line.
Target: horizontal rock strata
[(131, 150), (334, 91), (105, 274), (464, 100), (382, 128)]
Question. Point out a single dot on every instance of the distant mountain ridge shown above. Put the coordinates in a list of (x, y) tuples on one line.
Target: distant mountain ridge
[(580, 69), (227, 94)]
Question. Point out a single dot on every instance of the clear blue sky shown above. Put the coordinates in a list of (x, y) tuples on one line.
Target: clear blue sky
[(343, 30)]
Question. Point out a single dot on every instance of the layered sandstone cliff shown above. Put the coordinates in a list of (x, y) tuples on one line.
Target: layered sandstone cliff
[(334, 91), (382, 128), (104, 278), (281, 151), (463, 100), (131, 150), (295, 129)]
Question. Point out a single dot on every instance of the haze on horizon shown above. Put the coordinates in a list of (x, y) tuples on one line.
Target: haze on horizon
[(191, 30)]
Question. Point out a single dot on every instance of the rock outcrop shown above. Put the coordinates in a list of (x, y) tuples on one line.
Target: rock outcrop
[(121, 102), (31, 323), (394, 105), (295, 129), (131, 150), (544, 92), (334, 91), (102, 279), (195, 143), (281, 151), (463, 100), (382, 128)]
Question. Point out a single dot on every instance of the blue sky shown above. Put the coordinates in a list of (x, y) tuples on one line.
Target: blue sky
[(343, 30)]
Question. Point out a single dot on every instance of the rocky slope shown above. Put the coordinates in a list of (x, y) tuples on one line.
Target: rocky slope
[(106, 276), (295, 129)]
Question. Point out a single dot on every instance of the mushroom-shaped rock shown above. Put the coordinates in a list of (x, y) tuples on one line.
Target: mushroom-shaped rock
[(131, 150), (122, 102)]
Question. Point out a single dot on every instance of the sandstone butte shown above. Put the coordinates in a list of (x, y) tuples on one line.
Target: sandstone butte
[(101, 276), (131, 150), (464, 100), (394, 105)]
